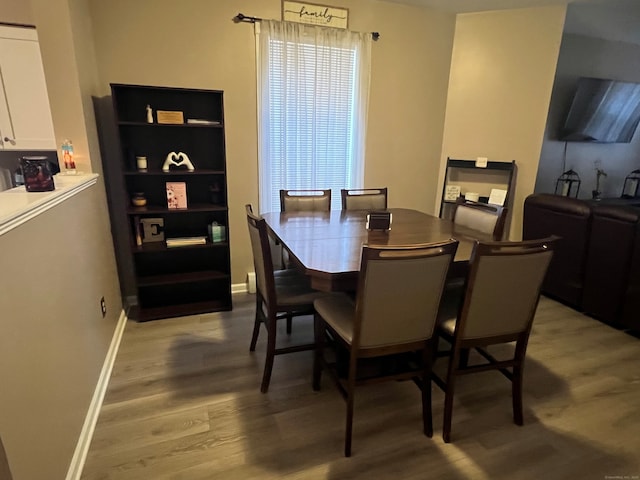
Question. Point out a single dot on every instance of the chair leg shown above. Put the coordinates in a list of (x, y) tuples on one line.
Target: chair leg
[(427, 417), (256, 325), (464, 357), (516, 395), (516, 383), (289, 324), (448, 395), (318, 334), (349, 426), (271, 348)]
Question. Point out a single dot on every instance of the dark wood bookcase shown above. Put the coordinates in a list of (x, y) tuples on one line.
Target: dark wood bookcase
[(183, 280), (471, 178)]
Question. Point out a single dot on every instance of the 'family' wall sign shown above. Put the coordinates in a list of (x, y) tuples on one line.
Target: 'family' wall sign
[(322, 15)]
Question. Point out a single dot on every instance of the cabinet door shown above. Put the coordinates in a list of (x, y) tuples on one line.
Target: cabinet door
[(25, 115)]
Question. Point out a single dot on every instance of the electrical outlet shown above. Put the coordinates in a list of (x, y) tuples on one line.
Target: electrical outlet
[(103, 307)]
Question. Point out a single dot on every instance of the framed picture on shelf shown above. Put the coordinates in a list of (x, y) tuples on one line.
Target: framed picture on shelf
[(176, 195), (451, 193), (170, 117)]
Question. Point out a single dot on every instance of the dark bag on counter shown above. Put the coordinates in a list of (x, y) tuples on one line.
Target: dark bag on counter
[(37, 174)]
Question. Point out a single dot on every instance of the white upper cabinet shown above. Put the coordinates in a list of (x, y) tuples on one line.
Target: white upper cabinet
[(25, 115)]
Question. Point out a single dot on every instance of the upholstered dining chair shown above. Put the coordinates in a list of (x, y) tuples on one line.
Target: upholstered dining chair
[(477, 220), (498, 306), (301, 201), (394, 312), (305, 200), (364, 199), (280, 294), (484, 220)]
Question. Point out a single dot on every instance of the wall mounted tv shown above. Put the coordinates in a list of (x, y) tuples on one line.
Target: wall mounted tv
[(602, 111)]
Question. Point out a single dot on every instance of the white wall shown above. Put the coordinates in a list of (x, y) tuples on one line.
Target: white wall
[(502, 73)]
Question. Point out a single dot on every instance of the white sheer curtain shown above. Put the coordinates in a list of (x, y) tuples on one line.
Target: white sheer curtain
[(313, 93)]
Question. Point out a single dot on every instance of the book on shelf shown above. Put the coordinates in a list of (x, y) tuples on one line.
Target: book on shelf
[(176, 195), (137, 227), (201, 121), (185, 241)]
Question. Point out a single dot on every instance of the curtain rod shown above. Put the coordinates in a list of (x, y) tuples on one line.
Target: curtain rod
[(244, 18)]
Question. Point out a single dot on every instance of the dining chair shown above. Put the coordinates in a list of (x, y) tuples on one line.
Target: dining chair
[(300, 201), (481, 219), (305, 200), (364, 199), (498, 306), (393, 315), (280, 294)]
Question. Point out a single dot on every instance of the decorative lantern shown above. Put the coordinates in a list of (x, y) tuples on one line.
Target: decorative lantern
[(630, 188), (568, 184)]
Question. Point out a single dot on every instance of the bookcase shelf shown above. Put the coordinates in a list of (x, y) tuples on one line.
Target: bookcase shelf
[(153, 247), (179, 280), (175, 278), (174, 173), (147, 209)]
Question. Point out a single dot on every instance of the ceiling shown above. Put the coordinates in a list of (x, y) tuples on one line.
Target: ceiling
[(617, 20)]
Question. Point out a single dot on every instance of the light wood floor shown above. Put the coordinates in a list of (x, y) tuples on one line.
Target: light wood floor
[(184, 403)]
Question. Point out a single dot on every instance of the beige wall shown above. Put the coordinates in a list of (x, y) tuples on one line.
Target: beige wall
[(502, 73), (61, 39), (194, 43), (56, 267), (16, 11)]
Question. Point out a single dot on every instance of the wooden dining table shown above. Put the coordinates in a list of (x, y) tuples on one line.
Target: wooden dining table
[(327, 246)]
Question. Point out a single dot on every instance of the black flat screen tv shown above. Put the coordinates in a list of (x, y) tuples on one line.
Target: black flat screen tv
[(602, 111)]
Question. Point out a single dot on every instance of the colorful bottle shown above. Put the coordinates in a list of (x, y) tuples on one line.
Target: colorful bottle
[(67, 157)]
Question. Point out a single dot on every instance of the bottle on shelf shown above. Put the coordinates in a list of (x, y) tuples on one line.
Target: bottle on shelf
[(67, 157)]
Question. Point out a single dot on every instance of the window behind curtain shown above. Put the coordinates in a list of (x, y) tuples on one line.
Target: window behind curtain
[(313, 97)]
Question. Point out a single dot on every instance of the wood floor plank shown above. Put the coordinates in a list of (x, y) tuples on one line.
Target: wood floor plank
[(184, 403)]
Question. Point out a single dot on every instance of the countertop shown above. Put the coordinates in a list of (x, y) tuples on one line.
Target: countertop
[(18, 206)]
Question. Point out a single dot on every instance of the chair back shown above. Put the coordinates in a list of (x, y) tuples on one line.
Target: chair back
[(399, 292), (364, 199), (305, 200), (262, 261), (503, 289), (482, 218)]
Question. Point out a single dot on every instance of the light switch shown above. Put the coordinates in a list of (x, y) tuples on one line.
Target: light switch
[(481, 162)]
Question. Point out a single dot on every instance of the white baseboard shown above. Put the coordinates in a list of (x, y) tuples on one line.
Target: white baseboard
[(239, 288), (84, 441)]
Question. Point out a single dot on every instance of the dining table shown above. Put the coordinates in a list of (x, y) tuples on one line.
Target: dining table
[(327, 246)]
